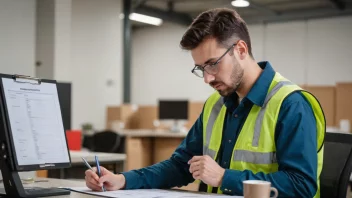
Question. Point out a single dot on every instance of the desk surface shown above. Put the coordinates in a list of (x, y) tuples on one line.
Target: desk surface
[(52, 183), (151, 133), (76, 156)]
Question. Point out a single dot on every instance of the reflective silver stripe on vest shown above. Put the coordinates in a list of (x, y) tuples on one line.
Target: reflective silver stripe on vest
[(208, 151), (259, 120), (211, 121), (254, 157)]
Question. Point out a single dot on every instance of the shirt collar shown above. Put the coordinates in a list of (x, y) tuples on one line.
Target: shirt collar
[(259, 90)]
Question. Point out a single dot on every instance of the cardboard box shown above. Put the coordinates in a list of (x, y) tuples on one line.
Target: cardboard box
[(146, 115), (343, 102), (194, 110), (139, 153), (124, 114)]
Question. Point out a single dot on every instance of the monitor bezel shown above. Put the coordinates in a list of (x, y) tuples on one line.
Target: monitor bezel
[(10, 141)]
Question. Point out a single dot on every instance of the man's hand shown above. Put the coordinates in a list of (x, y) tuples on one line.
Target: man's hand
[(109, 179), (207, 170)]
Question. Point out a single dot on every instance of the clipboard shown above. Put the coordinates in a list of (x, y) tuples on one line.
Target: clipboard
[(6, 139), (26, 79), (16, 127), (22, 79)]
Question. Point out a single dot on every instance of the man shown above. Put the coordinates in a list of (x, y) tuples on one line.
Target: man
[(275, 133)]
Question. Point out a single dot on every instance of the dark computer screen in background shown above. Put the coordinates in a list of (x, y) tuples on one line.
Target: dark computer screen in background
[(173, 109), (64, 92)]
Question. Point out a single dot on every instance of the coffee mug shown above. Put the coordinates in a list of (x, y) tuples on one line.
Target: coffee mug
[(258, 189), (345, 126)]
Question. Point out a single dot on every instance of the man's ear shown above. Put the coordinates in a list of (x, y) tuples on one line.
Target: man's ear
[(242, 49)]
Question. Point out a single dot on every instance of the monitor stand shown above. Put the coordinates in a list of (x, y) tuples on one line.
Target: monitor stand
[(14, 188), (176, 126)]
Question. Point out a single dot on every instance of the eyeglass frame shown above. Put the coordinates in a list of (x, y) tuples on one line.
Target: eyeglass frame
[(202, 67)]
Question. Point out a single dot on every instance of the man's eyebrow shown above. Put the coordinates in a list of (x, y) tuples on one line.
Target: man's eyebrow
[(206, 62)]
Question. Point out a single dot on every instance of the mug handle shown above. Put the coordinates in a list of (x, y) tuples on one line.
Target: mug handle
[(275, 192)]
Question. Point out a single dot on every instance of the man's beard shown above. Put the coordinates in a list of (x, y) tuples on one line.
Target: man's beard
[(236, 80)]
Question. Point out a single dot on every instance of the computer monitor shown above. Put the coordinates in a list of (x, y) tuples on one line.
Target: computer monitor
[(64, 91), (173, 110), (32, 134)]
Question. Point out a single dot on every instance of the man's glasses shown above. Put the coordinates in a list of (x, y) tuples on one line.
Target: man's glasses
[(210, 68)]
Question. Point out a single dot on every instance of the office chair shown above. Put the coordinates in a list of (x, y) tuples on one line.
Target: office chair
[(106, 141), (337, 165)]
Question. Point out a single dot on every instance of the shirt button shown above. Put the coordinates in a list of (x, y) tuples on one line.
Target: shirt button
[(236, 115), (225, 163), (225, 189), (229, 141)]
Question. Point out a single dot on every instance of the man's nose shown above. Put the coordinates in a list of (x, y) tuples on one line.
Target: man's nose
[(208, 77)]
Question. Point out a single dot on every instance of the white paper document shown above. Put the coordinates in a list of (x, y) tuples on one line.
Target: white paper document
[(148, 193), (35, 122)]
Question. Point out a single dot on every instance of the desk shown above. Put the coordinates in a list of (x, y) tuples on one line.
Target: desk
[(52, 183), (151, 133), (116, 160), (146, 147), (76, 157)]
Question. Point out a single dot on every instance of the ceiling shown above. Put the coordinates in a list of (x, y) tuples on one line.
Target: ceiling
[(259, 11)]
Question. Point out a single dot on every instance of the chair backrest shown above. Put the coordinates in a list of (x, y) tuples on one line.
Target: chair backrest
[(106, 141), (337, 165)]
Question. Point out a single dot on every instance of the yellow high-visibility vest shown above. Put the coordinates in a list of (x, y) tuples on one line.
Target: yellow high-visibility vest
[(255, 147)]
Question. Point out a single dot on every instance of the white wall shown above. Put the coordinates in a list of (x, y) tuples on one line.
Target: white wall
[(53, 40), (96, 57), (313, 52), (17, 41), (62, 40), (17, 36), (81, 42), (285, 48), (330, 51), (257, 41), (160, 69)]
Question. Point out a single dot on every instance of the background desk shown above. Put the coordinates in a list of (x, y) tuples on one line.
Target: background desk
[(147, 147), (112, 161)]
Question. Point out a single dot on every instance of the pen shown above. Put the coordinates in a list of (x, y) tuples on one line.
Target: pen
[(98, 168), (99, 172), (87, 165)]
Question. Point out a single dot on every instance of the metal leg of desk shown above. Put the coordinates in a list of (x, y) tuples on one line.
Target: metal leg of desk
[(152, 149), (122, 166), (115, 165), (62, 173)]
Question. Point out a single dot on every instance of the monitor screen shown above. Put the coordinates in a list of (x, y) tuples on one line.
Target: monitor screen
[(35, 125), (173, 109), (64, 91)]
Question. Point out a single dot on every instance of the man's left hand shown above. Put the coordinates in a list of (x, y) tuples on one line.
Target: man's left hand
[(207, 170)]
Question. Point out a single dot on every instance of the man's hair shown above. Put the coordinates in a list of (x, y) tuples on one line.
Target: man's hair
[(225, 25)]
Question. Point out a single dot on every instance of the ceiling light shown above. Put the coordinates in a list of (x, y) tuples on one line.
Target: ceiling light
[(240, 3), (146, 19)]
